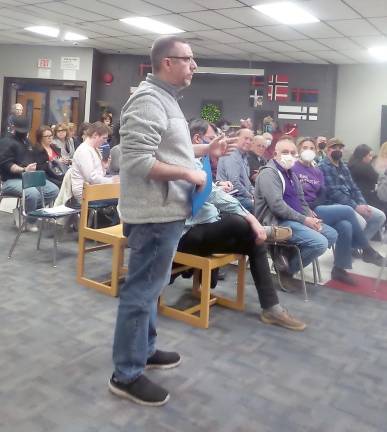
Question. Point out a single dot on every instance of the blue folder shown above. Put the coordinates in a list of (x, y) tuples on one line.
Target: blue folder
[(199, 198)]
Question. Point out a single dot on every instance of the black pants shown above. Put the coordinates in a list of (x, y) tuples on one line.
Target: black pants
[(232, 234)]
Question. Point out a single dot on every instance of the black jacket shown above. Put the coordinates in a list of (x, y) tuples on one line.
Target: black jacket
[(14, 150), (366, 178)]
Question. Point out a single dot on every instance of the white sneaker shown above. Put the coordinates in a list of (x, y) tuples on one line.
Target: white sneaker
[(32, 228)]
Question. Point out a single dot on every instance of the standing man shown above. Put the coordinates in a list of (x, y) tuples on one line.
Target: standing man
[(158, 176)]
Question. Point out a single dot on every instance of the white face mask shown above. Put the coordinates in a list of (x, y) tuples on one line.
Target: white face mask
[(308, 155), (287, 161), (267, 143)]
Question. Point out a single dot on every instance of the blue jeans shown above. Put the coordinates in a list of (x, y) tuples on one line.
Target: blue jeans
[(247, 203), (311, 243), (152, 248), (343, 219), (373, 224), (33, 198)]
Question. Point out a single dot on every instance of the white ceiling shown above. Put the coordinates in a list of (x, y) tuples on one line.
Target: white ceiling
[(222, 29)]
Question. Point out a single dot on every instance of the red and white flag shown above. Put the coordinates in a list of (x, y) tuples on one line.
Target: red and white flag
[(277, 89)]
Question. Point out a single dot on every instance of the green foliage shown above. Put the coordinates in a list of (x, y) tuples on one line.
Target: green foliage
[(211, 113)]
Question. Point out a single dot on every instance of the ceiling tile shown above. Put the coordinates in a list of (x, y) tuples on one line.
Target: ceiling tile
[(280, 58), (222, 48), (103, 9), (360, 56), (250, 47), (247, 16), (330, 9), (369, 8), (281, 32), (220, 36), (103, 27), (183, 23), (137, 7), (356, 27), (212, 19), (307, 44), (379, 23), (50, 15), (177, 5), (334, 57), (368, 41), (218, 4), (69, 10), (278, 46), (302, 56), (317, 30), (250, 34), (339, 43)]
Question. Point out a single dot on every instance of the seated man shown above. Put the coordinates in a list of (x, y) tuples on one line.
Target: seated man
[(16, 157), (222, 225), (255, 156), (341, 189), (235, 168), (88, 166), (279, 199)]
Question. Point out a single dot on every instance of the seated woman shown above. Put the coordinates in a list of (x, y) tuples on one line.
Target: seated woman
[(64, 142), (44, 151), (365, 175), (88, 166), (341, 217)]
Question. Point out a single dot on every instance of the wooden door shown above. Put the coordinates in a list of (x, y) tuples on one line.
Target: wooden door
[(33, 104)]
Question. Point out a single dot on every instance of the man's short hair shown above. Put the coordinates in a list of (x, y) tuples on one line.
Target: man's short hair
[(198, 126), (97, 128), (284, 138), (161, 48), (243, 129)]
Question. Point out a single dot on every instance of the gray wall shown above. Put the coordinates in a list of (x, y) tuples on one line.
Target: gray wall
[(21, 61), (361, 92), (233, 91)]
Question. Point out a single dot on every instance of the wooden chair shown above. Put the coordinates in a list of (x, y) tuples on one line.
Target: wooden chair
[(110, 237), (202, 290)]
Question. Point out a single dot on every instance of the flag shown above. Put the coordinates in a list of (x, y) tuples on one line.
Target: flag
[(278, 88), (144, 69), (257, 81), (256, 97), (305, 95), (297, 112)]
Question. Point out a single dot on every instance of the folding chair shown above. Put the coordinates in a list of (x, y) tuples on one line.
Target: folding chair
[(37, 179)]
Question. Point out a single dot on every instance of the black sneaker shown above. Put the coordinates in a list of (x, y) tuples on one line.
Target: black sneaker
[(163, 360), (372, 256), (141, 391), (343, 276)]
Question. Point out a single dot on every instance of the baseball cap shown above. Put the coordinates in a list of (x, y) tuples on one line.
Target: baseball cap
[(335, 141)]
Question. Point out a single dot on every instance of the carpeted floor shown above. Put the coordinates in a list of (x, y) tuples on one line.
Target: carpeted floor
[(238, 376)]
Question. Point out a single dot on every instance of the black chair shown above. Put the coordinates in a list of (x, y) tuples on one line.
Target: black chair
[(37, 179)]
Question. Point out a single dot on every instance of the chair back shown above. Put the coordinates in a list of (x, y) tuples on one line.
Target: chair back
[(30, 179), (97, 192)]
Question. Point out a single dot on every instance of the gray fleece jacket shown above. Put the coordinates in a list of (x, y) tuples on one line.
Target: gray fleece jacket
[(270, 206), (153, 127)]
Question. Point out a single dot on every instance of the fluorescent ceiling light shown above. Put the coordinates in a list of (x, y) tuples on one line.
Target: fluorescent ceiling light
[(44, 30), (286, 13), (378, 52), (70, 36), (152, 25)]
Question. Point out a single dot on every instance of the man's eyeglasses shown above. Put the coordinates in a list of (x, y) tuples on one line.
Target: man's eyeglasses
[(186, 59), (61, 130)]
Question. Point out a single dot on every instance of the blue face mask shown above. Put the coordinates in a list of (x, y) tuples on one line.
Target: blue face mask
[(269, 128)]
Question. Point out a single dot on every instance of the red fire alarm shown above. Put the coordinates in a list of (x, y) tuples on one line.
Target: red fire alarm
[(107, 78)]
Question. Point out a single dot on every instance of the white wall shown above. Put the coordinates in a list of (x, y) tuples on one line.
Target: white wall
[(361, 92), (21, 61)]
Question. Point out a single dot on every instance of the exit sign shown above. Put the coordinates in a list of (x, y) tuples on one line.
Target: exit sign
[(44, 63)]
